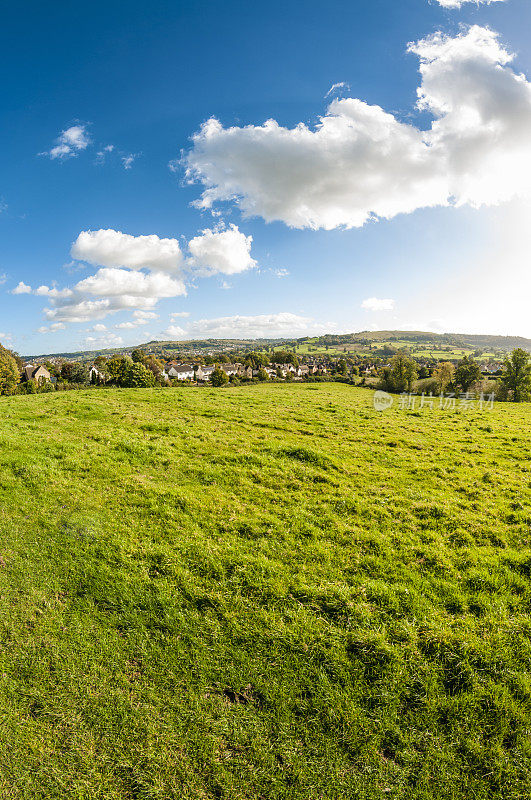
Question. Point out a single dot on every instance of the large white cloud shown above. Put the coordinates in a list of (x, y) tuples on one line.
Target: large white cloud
[(226, 251), (109, 282), (459, 3), (137, 271), (360, 162), (110, 248), (283, 324)]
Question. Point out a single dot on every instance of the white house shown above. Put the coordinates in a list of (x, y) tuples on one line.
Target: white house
[(204, 372), (182, 372)]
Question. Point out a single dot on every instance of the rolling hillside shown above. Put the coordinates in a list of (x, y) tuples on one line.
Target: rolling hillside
[(354, 342)]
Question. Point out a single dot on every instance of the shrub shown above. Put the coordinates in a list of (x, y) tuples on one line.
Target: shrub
[(9, 376), (219, 377)]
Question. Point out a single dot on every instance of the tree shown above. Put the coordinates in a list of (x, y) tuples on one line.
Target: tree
[(74, 372), (467, 373), (219, 377), (401, 375), (118, 368), (256, 360), (138, 356), (9, 374), (341, 367), (444, 376), (284, 357), (262, 375), (516, 377), (140, 376)]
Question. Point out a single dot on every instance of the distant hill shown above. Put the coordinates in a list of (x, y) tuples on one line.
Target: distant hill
[(360, 342)]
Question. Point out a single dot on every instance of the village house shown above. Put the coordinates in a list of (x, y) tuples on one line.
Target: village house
[(95, 375), (181, 372), (203, 372), (38, 374), (231, 369)]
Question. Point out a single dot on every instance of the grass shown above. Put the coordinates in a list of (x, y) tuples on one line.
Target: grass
[(263, 592)]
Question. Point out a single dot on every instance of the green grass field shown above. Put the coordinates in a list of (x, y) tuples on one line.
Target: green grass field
[(263, 592)]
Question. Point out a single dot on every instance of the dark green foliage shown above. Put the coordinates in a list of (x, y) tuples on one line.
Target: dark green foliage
[(401, 375), (467, 373), (516, 377), (74, 372), (9, 374), (139, 376), (219, 377)]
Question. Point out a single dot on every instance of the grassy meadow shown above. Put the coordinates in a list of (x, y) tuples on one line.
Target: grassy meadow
[(261, 593)]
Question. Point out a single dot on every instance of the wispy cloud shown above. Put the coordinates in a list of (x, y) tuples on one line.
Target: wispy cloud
[(69, 143), (129, 160), (337, 87), (378, 304)]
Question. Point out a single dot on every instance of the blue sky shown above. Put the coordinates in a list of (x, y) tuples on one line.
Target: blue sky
[(448, 253)]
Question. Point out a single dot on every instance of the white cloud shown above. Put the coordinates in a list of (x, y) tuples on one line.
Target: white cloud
[(177, 314), (110, 248), (108, 340), (70, 142), (82, 310), (137, 271), (21, 288), (459, 3), (6, 337), (56, 326), (281, 273), (360, 162), (102, 154), (45, 291), (128, 325), (140, 318), (110, 282), (250, 327), (378, 304), (221, 251), (3, 278), (174, 332), (337, 87), (128, 160)]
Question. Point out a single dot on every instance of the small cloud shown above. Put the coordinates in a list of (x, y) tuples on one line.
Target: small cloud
[(101, 154), (378, 304), (144, 315), (459, 3), (56, 326), (225, 285), (128, 160), (180, 314), (108, 340), (69, 143), (100, 327), (174, 332), (3, 278), (21, 288), (337, 87), (280, 273)]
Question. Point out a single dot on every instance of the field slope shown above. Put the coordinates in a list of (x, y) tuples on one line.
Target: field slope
[(263, 592)]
